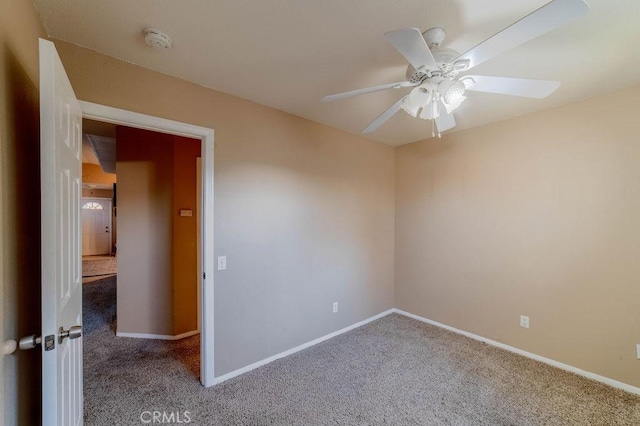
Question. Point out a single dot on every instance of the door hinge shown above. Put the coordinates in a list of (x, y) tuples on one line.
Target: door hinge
[(204, 275)]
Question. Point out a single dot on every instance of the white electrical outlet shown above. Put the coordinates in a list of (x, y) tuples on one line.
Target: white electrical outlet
[(222, 263), (638, 351), (524, 321), (335, 307)]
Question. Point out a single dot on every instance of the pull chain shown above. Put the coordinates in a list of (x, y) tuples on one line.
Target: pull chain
[(433, 124), (433, 128)]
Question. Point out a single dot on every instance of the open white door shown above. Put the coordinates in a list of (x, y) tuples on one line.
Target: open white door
[(60, 174)]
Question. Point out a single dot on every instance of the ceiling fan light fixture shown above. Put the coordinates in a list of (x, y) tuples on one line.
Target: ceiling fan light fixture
[(454, 103), (452, 93), (451, 89), (430, 112), (418, 98), (427, 96), (409, 107)]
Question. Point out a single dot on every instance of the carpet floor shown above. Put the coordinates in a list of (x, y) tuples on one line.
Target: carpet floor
[(393, 371), (94, 266)]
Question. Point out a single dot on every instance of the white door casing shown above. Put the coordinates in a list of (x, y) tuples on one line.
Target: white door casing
[(60, 174), (96, 226), (199, 236)]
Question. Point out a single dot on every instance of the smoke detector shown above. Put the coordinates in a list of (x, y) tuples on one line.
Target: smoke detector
[(157, 39)]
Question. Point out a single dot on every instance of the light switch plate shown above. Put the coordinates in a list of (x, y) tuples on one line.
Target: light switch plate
[(222, 263), (638, 351)]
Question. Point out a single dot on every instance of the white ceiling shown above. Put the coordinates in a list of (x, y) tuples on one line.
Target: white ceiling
[(288, 54)]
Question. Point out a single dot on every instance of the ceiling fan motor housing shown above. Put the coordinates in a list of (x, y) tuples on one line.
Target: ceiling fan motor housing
[(434, 37), (445, 58)]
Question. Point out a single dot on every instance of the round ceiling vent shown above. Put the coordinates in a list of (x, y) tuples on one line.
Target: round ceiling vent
[(157, 39)]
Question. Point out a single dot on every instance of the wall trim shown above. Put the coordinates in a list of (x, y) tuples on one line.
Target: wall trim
[(206, 135), (291, 351), (158, 336), (575, 370)]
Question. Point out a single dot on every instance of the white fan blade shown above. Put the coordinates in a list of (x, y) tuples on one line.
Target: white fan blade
[(384, 116), (367, 90), (536, 89), (444, 121), (547, 18), (410, 43)]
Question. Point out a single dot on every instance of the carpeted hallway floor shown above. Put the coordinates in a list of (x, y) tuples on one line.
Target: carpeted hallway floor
[(394, 371), (97, 267)]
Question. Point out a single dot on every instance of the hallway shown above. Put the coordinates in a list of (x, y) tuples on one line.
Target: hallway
[(123, 375)]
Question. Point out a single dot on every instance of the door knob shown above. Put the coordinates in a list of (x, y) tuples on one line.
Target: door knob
[(72, 333), (29, 342)]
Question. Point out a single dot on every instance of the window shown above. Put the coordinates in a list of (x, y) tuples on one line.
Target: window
[(92, 205)]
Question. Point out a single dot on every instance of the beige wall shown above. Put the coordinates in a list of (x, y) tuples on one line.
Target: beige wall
[(157, 265), (537, 215), (20, 28), (304, 213), (145, 194), (20, 240)]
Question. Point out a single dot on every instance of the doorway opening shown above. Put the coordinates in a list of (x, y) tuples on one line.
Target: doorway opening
[(145, 314), (183, 215), (98, 202)]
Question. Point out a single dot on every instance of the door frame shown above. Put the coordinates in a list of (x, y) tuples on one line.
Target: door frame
[(110, 201), (123, 117)]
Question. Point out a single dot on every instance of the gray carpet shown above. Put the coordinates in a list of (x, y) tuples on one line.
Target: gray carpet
[(394, 371)]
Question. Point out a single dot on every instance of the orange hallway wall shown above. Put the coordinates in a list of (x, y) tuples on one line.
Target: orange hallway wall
[(93, 173), (185, 274)]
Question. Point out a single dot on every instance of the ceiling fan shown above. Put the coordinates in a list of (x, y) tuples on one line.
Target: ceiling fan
[(433, 71)]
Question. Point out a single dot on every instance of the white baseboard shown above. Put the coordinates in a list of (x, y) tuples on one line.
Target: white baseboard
[(158, 336), (557, 364), (255, 365)]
